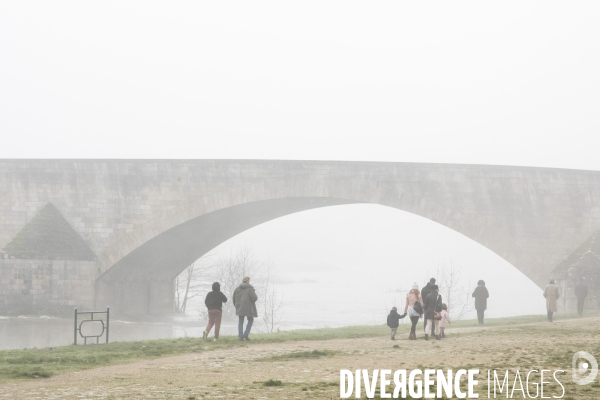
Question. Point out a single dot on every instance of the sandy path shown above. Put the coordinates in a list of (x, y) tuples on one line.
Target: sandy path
[(238, 373)]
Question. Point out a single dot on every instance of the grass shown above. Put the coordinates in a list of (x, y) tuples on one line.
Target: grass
[(42, 363), (272, 382), (300, 355)]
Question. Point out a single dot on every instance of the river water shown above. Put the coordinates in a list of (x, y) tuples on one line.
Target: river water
[(330, 298), (26, 332)]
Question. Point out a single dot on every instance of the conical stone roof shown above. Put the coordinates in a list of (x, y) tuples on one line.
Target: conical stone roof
[(49, 236)]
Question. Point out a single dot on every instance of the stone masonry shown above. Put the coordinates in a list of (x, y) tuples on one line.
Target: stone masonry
[(144, 221)]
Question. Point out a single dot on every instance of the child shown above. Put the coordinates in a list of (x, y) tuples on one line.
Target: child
[(393, 321), (445, 317)]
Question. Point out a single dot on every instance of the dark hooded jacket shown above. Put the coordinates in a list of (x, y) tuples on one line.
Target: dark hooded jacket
[(481, 295), (432, 303), (244, 300), (215, 299), (394, 318), (426, 290)]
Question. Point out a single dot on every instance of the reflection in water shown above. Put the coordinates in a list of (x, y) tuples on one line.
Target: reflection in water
[(40, 332)]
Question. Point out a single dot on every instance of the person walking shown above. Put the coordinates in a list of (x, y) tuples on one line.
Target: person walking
[(393, 321), (214, 303), (414, 296), (581, 291), (433, 306), (445, 318), (551, 293), (424, 293), (244, 300), (481, 295)]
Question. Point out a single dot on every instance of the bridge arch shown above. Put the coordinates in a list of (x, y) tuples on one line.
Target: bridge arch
[(227, 213), (156, 252)]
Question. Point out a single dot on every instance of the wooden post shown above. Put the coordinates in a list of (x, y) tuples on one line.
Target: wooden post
[(75, 328)]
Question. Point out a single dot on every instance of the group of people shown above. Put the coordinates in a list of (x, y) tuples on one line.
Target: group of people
[(244, 300), (428, 303)]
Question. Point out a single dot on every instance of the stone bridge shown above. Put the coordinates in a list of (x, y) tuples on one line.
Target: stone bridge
[(91, 233)]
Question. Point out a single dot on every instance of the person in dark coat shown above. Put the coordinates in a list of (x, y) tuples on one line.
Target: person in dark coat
[(581, 291), (424, 292), (214, 303), (481, 295), (432, 306), (244, 300), (393, 321)]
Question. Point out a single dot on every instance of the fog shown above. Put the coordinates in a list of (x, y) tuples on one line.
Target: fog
[(510, 83), (516, 85), (348, 265)]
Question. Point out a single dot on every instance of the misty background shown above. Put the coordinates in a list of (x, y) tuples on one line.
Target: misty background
[(509, 83), (327, 277)]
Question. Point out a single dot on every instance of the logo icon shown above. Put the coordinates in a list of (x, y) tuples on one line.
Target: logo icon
[(583, 363)]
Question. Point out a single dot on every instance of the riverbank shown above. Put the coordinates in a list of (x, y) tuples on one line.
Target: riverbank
[(28, 364)]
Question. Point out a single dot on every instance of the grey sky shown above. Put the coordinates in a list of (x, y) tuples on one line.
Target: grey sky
[(493, 83), (512, 83)]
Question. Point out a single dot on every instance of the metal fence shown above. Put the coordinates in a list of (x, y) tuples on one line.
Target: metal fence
[(91, 319)]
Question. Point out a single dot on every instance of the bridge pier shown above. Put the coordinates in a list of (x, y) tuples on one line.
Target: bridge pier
[(136, 297), (51, 287), (55, 287)]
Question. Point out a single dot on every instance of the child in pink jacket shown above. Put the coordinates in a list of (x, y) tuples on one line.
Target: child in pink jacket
[(445, 317)]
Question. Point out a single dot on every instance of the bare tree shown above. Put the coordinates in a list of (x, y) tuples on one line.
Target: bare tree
[(230, 270), (188, 284), (456, 296), (273, 302)]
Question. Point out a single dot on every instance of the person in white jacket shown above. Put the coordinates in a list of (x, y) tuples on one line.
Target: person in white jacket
[(445, 318)]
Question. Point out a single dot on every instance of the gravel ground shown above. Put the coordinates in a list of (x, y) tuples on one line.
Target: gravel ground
[(241, 372)]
